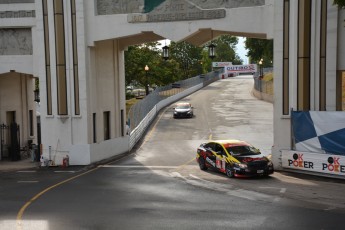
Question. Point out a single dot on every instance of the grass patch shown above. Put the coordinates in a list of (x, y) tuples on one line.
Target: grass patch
[(130, 103), (268, 83), (268, 77)]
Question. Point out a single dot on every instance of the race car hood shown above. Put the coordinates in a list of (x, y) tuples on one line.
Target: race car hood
[(182, 110), (251, 158)]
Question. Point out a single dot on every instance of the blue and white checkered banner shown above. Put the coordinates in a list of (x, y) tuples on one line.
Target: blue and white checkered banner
[(319, 131)]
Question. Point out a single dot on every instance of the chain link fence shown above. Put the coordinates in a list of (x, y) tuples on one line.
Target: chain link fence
[(261, 85)]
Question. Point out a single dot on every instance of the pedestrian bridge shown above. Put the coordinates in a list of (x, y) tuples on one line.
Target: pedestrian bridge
[(195, 21)]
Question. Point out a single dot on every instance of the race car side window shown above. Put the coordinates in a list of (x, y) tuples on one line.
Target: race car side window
[(210, 146), (219, 149)]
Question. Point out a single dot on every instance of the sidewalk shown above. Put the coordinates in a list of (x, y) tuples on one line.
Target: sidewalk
[(7, 165)]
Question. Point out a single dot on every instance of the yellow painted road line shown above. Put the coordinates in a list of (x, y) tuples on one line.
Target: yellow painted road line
[(181, 166), (21, 211), (210, 137)]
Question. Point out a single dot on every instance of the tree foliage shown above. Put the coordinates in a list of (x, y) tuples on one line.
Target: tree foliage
[(185, 61), (340, 3), (188, 57), (160, 72), (225, 50), (260, 49)]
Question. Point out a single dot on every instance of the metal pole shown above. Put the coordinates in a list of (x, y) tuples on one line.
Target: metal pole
[(50, 152), (1, 142), (146, 85), (147, 80)]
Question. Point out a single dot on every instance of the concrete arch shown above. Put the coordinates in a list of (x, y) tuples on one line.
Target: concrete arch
[(198, 31)]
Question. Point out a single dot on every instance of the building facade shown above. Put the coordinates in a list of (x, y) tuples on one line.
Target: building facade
[(18, 69), (77, 52)]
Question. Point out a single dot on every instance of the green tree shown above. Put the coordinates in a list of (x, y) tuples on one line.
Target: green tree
[(225, 49), (160, 72), (340, 3), (260, 49), (185, 61), (188, 57)]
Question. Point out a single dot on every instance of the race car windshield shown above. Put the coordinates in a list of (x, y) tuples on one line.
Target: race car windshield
[(243, 150), (182, 107)]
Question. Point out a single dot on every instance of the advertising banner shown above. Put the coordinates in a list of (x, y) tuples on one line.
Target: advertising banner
[(241, 68), (314, 162), (221, 64)]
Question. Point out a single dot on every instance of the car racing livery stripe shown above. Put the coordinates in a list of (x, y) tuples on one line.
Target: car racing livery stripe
[(232, 159), (210, 162)]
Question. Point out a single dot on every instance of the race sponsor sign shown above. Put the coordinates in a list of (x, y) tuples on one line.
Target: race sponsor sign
[(221, 64), (241, 68), (314, 162)]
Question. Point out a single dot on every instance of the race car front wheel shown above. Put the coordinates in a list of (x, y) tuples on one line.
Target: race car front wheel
[(202, 164), (229, 172)]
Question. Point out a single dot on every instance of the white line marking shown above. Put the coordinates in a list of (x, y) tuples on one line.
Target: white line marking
[(176, 174), (282, 190), (203, 180), (329, 208), (138, 166), (27, 181), (246, 194), (64, 171)]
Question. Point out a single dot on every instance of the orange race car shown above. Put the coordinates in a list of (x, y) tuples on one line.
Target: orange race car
[(235, 158)]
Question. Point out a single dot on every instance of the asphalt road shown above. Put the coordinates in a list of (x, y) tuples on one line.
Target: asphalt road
[(159, 185)]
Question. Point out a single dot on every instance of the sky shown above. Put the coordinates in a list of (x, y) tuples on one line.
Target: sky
[(241, 51)]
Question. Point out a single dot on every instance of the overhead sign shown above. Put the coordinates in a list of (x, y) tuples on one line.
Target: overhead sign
[(314, 162), (242, 68), (221, 64)]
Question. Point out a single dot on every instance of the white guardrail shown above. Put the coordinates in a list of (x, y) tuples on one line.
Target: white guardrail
[(138, 132)]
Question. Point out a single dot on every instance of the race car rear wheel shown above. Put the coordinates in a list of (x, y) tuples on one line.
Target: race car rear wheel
[(202, 164), (229, 172)]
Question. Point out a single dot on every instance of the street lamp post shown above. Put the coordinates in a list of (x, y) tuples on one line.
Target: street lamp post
[(147, 80), (165, 52), (261, 70), (212, 51)]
